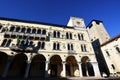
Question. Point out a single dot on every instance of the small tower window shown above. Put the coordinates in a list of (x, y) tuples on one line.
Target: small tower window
[(118, 49), (107, 53), (113, 66)]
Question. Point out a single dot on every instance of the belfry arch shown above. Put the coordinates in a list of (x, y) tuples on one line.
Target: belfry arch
[(17, 66), (3, 61), (71, 66), (37, 68), (55, 66), (87, 68)]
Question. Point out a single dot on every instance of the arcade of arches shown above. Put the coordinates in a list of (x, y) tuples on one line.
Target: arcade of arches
[(20, 66)]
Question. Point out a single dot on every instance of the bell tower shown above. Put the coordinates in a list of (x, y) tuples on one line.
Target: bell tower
[(76, 22)]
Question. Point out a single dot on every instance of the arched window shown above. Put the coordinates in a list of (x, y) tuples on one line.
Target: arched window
[(82, 48), (58, 46), (12, 28), (39, 31), (58, 34), (3, 30), (21, 43), (43, 45), (34, 31), (17, 29), (85, 48), (70, 35), (67, 36), (54, 34), (31, 43), (54, 46), (118, 49), (8, 43), (44, 32), (90, 69), (68, 46), (23, 30), (82, 38), (71, 46), (39, 44), (79, 37), (1, 26), (4, 42), (28, 30)]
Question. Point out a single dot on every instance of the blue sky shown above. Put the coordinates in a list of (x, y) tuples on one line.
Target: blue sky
[(59, 11)]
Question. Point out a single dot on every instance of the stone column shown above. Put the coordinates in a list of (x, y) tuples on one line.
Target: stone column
[(46, 69), (27, 69), (64, 69), (96, 69), (7, 67), (80, 69)]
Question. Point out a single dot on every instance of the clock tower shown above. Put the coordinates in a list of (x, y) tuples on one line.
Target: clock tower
[(76, 22)]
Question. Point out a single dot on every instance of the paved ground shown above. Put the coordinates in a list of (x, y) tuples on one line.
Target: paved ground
[(67, 78)]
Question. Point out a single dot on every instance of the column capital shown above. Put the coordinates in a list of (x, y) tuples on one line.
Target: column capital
[(28, 61), (79, 62), (47, 61), (64, 62)]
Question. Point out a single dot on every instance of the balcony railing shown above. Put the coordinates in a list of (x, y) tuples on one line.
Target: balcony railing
[(23, 48), (32, 36)]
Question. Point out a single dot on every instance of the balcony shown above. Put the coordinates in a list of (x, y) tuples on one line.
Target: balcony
[(23, 48), (23, 35)]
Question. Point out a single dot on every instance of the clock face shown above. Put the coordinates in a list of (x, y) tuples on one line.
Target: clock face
[(78, 23)]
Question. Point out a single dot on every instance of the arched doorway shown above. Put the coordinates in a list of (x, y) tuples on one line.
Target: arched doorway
[(87, 68), (71, 66), (55, 66), (3, 62), (37, 68), (17, 66)]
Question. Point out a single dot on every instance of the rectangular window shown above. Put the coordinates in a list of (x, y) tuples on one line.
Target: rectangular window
[(6, 43), (56, 46), (83, 48)]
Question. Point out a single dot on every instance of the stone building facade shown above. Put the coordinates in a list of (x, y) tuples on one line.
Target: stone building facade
[(36, 49), (111, 52)]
